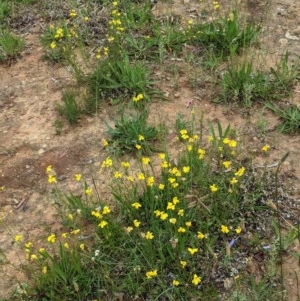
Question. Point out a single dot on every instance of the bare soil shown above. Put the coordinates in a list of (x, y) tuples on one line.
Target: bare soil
[(31, 87)]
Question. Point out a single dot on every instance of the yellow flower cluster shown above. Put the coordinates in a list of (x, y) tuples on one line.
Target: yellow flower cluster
[(138, 98), (98, 56), (108, 162), (51, 176), (229, 142), (72, 13), (59, 33), (98, 214), (115, 22), (151, 274), (216, 5)]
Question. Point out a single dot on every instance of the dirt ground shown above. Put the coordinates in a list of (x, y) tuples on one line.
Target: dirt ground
[(30, 89)]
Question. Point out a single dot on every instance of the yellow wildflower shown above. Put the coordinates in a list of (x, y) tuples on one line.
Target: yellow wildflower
[(130, 178), (193, 250), (232, 143), (188, 224), (51, 238), (173, 221), (200, 235), (28, 245), (136, 223), (213, 188), (175, 200), (201, 153), (171, 180), (151, 274), (210, 138), (158, 213), (108, 162), (196, 279), (226, 140), (174, 185), (149, 235), (136, 205), (238, 230), (125, 164), (240, 172), (104, 142), (163, 216), (138, 97), (186, 169), (226, 164), (150, 181), (18, 237), (183, 263), (117, 175), (51, 179), (129, 229), (161, 186), (106, 210), (165, 164), (265, 148), (88, 191), (49, 169), (224, 229), (141, 176), (170, 206), (103, 224), (96, 213), (181, 230), (233, 181), (180, 212), (175, 282), (78, 177), (72, 13), (162, 156), (145, 161)]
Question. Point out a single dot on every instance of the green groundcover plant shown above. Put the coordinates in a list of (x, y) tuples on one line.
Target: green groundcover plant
[(169, 224)]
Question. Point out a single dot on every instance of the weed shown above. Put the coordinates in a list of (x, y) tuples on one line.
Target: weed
[(120, 80), (183, 126), (70, 108), (283, 78), (226, 36), (181, 223), (10, 45), (132, 134), (290, 116), (262, 124), (169, 217), (58, 126), (243, 84), (5, 10)]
